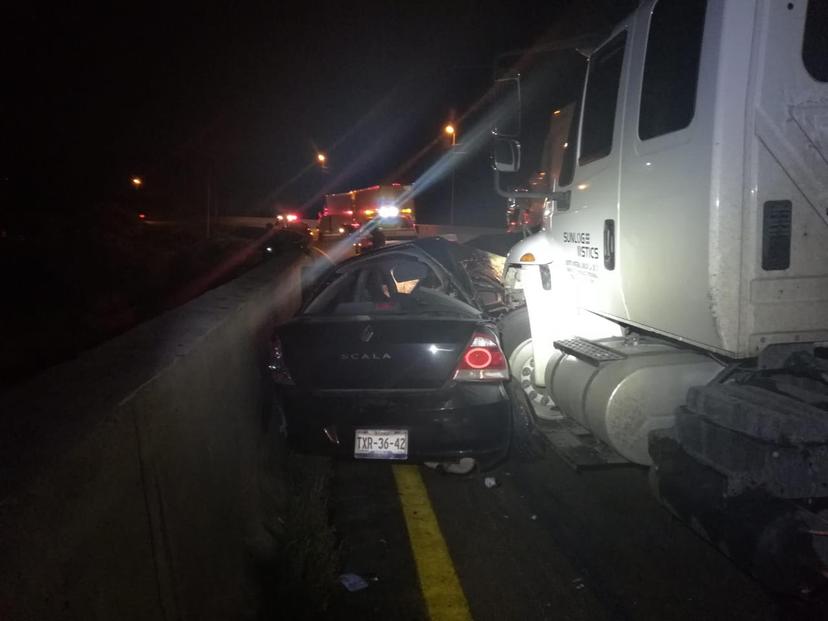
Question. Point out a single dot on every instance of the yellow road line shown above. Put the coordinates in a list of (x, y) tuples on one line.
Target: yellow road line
[(439, 584)]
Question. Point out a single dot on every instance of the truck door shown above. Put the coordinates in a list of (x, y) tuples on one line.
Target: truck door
[(665, 179), (584, 230)]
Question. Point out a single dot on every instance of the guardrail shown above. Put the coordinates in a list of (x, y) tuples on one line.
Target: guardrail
[(128, 477)]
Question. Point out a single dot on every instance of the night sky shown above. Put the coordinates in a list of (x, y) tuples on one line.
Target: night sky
[(239, 96)]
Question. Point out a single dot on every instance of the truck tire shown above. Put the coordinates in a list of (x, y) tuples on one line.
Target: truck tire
[(514, 330), (528, 443)]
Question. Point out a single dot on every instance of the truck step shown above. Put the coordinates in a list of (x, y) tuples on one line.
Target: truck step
[(579, 448), (588, 351)]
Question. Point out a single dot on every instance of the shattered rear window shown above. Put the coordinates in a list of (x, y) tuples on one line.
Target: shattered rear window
[(395, 283)]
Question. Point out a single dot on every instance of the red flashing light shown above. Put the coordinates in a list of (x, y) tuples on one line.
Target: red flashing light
[(349, 212), (142, 216), (483, 361), (292, 217)]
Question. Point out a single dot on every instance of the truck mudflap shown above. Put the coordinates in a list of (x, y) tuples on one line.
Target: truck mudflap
[(783, 543)]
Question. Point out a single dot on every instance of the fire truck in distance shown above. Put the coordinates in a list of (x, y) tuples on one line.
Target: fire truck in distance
[(391, 205)]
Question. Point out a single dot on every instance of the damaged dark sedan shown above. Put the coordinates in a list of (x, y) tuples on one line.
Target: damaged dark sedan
[(395, 356)]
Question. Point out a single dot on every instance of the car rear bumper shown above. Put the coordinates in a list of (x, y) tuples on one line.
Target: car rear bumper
[(464, 421)]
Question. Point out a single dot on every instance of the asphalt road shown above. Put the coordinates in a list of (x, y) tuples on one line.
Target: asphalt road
[(545, 543)]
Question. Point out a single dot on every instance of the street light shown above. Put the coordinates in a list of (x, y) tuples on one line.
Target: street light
[(137, 182), (451, 131), (321, 158)]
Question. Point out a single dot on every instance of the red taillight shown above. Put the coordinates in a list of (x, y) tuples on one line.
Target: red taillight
[(483, 361), (142, 216), (277, 367), (291, 217)]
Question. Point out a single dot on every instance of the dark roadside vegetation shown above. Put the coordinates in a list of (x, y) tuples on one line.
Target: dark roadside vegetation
[(72, 281), (299, 578)]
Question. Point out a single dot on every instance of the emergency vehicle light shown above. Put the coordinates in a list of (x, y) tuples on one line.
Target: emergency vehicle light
[(389, 211)]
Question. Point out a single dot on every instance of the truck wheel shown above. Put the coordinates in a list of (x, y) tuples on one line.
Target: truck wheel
[(528, 443), (514, 330)]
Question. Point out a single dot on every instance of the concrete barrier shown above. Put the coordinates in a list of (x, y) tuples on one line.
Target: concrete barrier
[(462, 233), (128, 477)]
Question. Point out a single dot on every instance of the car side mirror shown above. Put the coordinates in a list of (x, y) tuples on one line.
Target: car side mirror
[(505, 155)]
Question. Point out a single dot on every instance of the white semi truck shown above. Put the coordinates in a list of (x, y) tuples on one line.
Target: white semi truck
[(676, 298)]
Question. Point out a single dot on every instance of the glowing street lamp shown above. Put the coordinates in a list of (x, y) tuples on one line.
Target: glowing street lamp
[(137, 182), (321, 158), (449, 129)]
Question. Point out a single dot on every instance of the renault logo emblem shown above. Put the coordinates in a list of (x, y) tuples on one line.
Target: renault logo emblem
[(367, 334)]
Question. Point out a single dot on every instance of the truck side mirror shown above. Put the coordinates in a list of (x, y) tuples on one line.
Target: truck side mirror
[(505, 155)]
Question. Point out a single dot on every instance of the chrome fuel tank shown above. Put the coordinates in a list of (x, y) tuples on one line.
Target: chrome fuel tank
[(621, 389)]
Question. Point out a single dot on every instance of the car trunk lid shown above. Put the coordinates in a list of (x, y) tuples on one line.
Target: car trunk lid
[(386, 354)]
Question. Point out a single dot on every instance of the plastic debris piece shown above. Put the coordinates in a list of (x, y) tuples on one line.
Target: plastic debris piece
[(490, 482), (353, 582), (463, 466)]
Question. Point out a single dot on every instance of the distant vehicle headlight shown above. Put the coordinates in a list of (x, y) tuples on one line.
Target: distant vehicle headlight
[(389, 211)]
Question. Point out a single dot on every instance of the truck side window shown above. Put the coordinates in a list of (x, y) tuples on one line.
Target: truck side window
[(815, 41), (671, 68), (568, 161), (601, 100)]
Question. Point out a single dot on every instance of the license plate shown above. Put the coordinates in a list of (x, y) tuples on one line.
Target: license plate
[(381, 443)]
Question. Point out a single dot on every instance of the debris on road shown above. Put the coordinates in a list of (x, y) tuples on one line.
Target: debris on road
[(463, 466), (353, 582), (490, 482)]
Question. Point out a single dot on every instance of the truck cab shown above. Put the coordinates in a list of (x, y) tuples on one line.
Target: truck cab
[(696, 179)]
